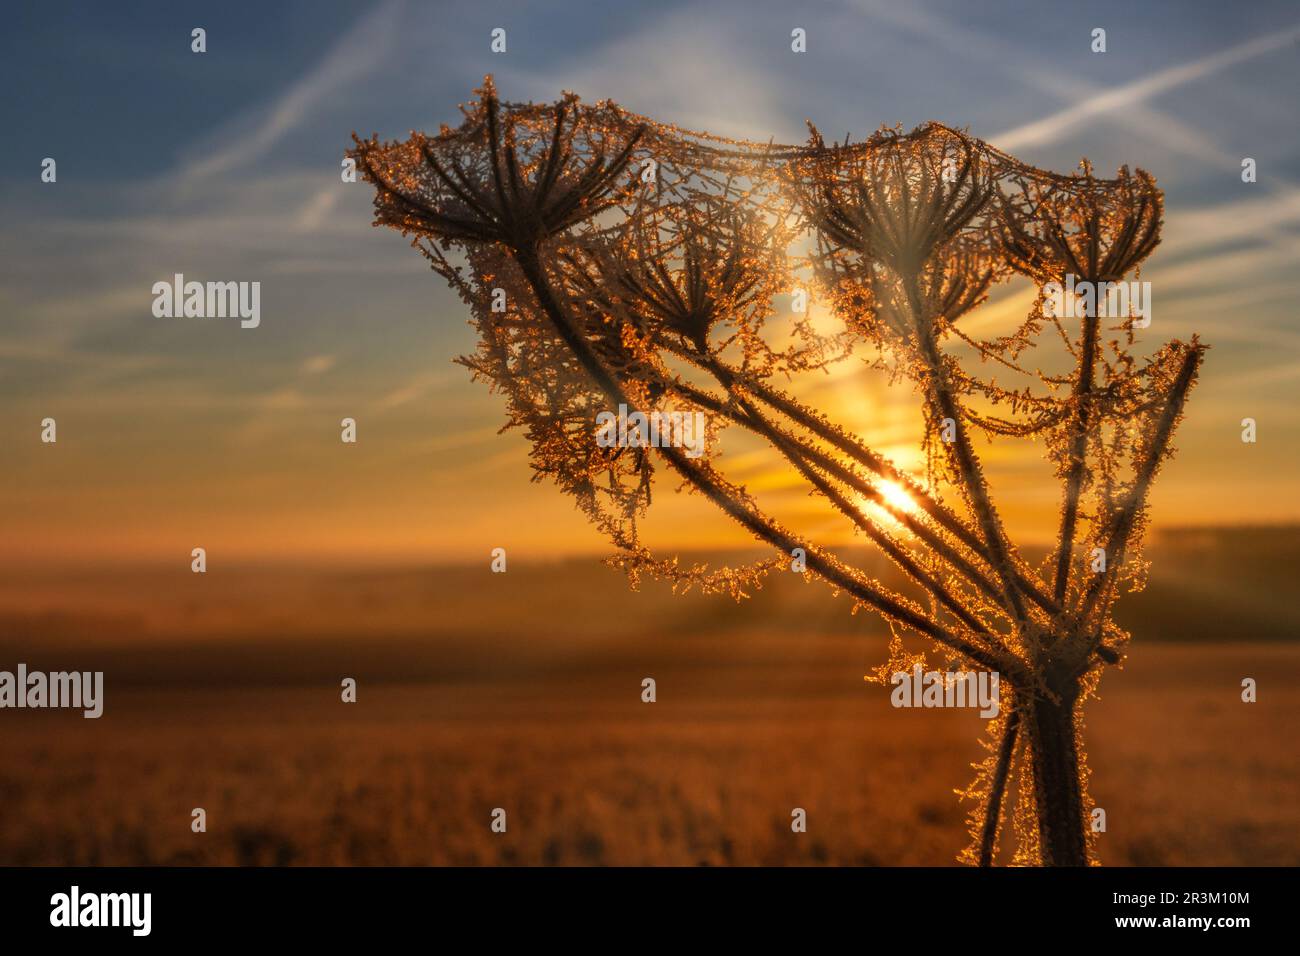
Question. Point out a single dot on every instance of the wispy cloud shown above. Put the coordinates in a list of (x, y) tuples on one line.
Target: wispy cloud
[(363, 49), (419, 386), (1243, 219), (675, 70), (1129, 95)]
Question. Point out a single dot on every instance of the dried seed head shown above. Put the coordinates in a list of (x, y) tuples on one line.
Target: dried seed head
[(1094, 229), (516, 175)]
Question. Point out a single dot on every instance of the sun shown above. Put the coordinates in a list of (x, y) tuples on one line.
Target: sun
[(893, 500), (896, 497)]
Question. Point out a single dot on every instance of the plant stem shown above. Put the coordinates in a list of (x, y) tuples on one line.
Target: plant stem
[(1001, 771), (1058, 790), (830, 570), (1078, 449), (963, 454)]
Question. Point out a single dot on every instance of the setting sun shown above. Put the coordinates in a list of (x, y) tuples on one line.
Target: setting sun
[(895, 497), (894, 494)]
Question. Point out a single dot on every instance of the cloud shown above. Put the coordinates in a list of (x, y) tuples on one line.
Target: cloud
[(1124, 97), (1236, 221), (675, 71), (364, 48), (419, 386), (318, 209), (318, 364), (1049, 78)]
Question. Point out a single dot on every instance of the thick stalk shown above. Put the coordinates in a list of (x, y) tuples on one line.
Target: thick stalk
[(1058, 790)]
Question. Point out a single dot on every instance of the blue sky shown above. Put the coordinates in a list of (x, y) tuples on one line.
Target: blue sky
[(226, 165)]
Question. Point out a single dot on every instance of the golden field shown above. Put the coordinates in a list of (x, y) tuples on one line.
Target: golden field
[(465, 706)]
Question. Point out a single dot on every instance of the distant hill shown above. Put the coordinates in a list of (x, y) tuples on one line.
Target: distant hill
[(1219, 584), (285, 624)]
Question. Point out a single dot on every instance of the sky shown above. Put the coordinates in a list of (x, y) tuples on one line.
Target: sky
[(225, 165)]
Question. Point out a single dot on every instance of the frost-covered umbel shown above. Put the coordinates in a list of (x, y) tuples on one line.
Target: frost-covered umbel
[(609, 260)]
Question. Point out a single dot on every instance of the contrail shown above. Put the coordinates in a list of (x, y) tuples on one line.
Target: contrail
[(1049, 128)]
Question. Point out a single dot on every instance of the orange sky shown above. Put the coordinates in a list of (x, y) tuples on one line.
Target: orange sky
[(150, 476)]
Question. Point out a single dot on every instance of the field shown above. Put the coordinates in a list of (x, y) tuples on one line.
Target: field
[(760, 709), (589, 774)]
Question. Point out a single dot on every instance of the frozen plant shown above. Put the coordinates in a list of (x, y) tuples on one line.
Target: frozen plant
[(642, 265)]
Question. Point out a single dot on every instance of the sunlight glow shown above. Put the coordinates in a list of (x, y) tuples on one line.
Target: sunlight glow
[(898, 498)]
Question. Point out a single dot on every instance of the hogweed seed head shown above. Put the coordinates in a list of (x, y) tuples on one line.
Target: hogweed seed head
[(597, 288)]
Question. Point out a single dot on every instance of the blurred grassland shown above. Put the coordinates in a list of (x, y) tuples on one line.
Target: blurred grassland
[(522, 691)]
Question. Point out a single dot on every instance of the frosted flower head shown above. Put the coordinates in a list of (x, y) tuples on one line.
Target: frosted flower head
[(514, 175)]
